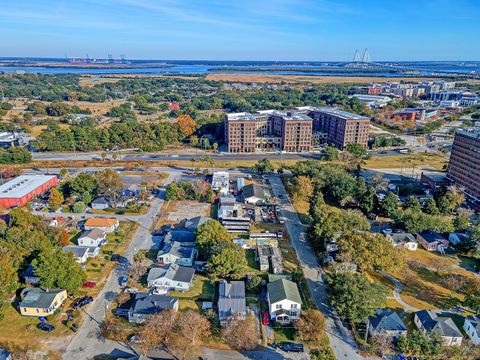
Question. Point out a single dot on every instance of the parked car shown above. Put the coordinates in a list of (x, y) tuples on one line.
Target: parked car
[(45, 327), (120, 212), (82, 302), (89, 284), (131, 290), (74, 328), (265, 318), (158, 232), (291, 347), (115, 257), (123, 280)]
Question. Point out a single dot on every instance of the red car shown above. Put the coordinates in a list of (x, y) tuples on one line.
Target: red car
[(89, 284), (265, 318)]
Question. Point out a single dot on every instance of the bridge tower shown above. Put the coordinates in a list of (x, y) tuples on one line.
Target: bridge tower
[(366, 56), (356, 57)]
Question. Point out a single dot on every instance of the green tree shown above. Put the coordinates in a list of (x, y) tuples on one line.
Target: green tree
[(83, 183), (58, 269), (369, 251), (78, 207), (330, 153), (462, 221), (449, 199), (209, 235), (264, 166), (412, 203), (430, 207), (365, 195), (55, 199), (417, 344), (357, 150), (354, 297), (110, 184), (390, 204), (228, 262)]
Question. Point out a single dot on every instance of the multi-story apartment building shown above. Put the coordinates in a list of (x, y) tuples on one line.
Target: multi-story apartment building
[(294, 131), (341, 127), (241, 132), (268, 130), (464, 165)]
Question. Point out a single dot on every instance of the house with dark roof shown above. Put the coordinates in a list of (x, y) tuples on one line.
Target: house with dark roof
[(145, 305), (432, 241), (284, 301), (179, 248), (472, 328), (231, 301), (253, 194), (170, 277), (429, 322), (386, 322), (38, 302), (403, 240)]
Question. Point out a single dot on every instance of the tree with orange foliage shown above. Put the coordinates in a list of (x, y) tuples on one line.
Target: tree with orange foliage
[(64, 238), (187, 124)]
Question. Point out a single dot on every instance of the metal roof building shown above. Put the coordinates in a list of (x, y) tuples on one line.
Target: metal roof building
[(22, 189)]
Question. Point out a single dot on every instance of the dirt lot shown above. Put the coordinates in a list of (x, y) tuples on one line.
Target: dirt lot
[(268, 78), (176, 211)]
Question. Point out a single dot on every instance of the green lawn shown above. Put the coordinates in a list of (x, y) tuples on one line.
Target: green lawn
[(284, 334), (202, 290)]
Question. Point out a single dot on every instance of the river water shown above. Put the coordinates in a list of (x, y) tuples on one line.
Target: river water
[(192, 68)]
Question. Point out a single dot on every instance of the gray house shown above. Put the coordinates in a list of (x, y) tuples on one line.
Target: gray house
[(386, 322), (100, 203), (253, 194), (428, 322), (146, 305), (231, 301)]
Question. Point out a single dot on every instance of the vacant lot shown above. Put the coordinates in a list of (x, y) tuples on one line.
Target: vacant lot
[(176, 211), (432, 161)]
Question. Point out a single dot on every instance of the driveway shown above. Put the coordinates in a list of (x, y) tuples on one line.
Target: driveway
[(88, 342), (341, 340)]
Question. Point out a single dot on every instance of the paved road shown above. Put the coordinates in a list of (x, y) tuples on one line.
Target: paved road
[(341, 340), (87, 342), (173, 156)]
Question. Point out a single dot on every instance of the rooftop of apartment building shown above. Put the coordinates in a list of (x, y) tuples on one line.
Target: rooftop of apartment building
[(287, 115), (473, 132), (334, 112)]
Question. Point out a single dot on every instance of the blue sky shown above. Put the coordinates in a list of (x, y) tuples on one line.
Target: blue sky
[(242, 29)]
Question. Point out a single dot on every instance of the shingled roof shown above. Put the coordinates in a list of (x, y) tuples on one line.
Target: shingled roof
[(283, 289)]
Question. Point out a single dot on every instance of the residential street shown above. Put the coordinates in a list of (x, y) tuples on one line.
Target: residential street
[(341, 339), (87, 343)]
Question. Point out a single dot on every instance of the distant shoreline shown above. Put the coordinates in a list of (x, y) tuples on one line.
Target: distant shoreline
[(82, 65)]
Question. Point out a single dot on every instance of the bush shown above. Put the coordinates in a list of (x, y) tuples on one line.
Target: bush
[(322, 354)]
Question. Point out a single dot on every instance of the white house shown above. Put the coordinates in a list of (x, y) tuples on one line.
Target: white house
[(94, 237), (104, 224), (472, 328), (170, 277), (284, 301), (403, 241), (220, 182), (81, 253), (100, 203)]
